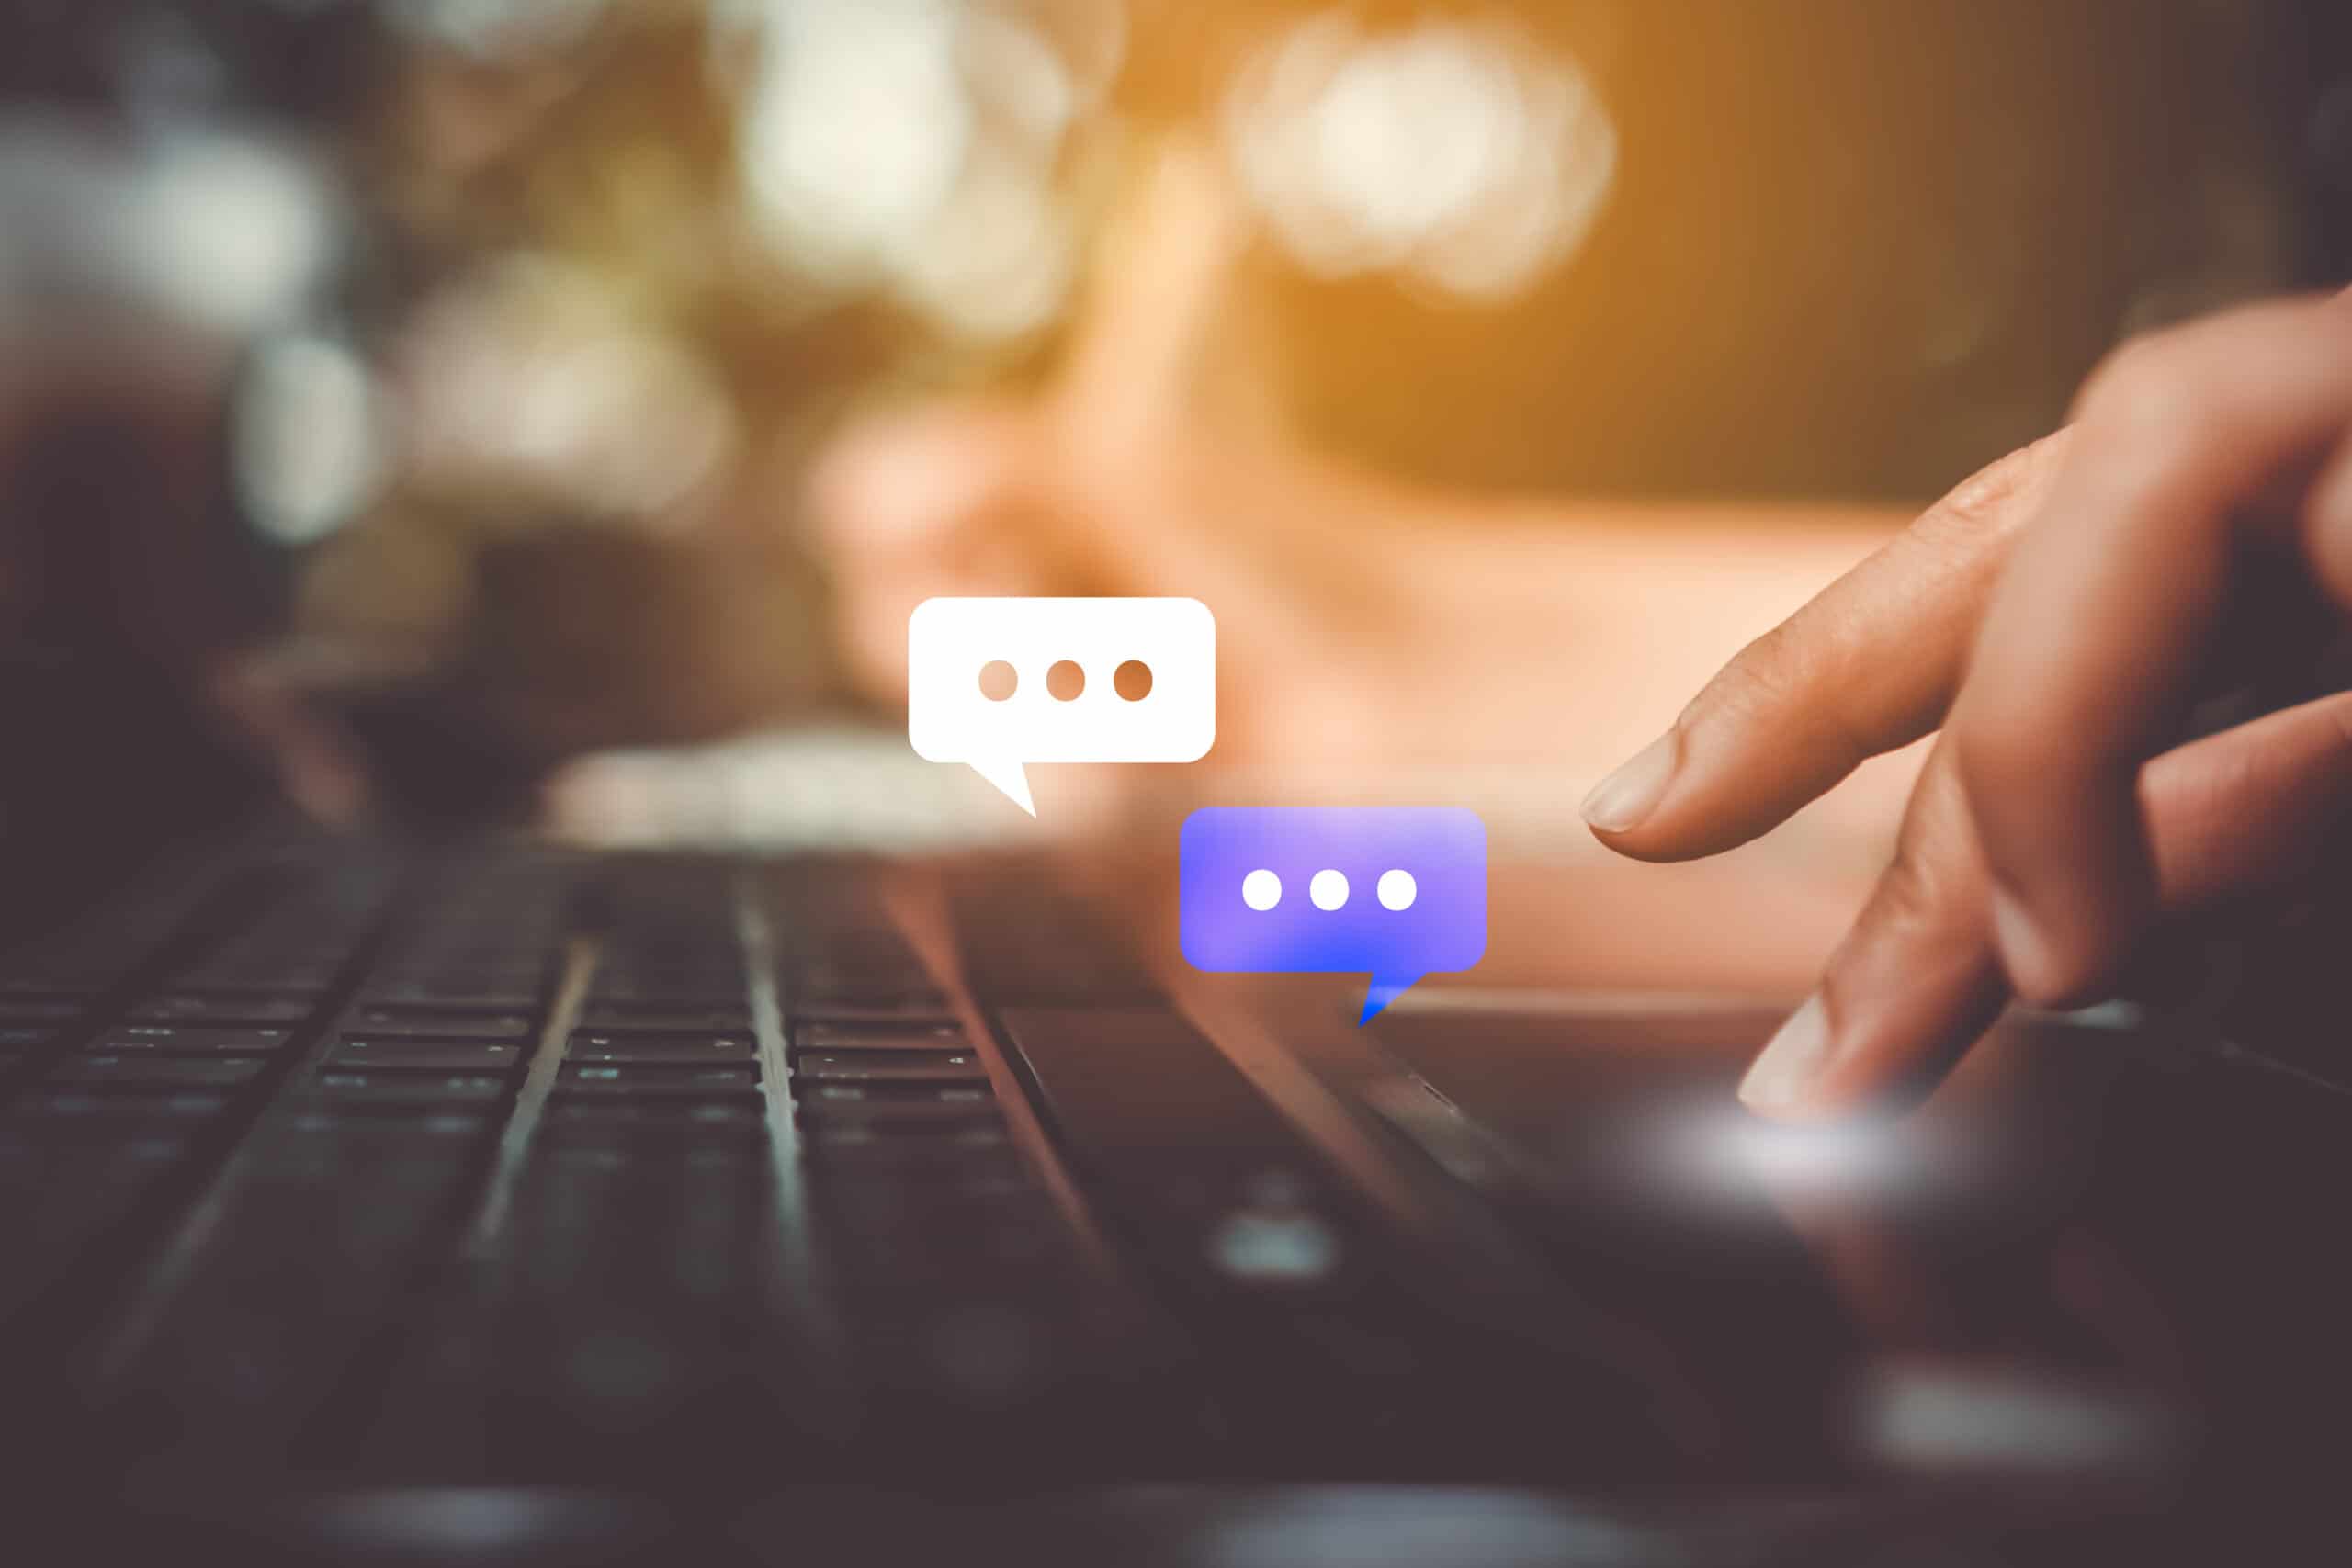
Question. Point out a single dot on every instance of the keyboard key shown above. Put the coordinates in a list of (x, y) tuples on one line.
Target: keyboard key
[(70, 1105), (662, 1019), (271, 978), (24, 1037), (828, 1105), (884, 1141), (458, 998), (422, 1023), (571, 1111), (186, 1040), (377, 1052), (599, 1078), (891, 1092), (685, 992), (407, 1090), (140, 1069), (217, 1008), (845, 1036), (601, 1046), (914, 1010), (884, 1067)]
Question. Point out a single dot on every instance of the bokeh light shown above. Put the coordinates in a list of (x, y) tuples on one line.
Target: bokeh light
[(1462, 153)]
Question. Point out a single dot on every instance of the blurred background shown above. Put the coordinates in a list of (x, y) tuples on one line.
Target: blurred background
[(402, 399)]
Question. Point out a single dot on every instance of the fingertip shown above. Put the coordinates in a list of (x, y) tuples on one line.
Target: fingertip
[(2051, 963), (1629, 796), (1781, 1082), (1690, 793)]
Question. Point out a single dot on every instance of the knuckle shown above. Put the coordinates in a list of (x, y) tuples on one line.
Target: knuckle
[(1991, 757), (1914, 894), (1763, 678), (1798, 679), (2163, 399), (2144, 392), (1993, 496)]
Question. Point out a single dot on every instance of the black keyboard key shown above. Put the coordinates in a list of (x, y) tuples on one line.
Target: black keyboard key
[(677, 991), (141, 1069), (274, 978), (416, 1023), (633, 1078), (74, 1107), (905, 1118), (454, 998), (407, 1090), (224, 1007), (604, 1045), (886, 1141), (908, 1009), (891, 1067), (189, 1040), (664, 1018), (846, 1036), (718, 1115), (891, 1092), (24, 1037), (376, 1053)]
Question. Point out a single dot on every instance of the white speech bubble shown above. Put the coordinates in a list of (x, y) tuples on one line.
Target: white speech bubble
[(951, 720)]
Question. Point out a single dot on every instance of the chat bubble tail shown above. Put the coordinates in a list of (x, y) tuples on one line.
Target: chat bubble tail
[(1011, 778), (1383, 992)]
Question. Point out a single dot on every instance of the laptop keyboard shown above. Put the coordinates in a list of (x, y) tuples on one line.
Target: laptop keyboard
[(523, 1165)]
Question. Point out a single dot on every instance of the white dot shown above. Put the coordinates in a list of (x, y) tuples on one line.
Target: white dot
[(1398, 889), (1328, 889), (1261, 890)]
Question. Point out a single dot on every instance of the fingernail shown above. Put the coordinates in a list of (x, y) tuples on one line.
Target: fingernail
[(1780, 1080), (2019, 944), (1621, 802)]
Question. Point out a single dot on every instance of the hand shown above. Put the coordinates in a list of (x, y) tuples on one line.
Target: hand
[(2064, 617)]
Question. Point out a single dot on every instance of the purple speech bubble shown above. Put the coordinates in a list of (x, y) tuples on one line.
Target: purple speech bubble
[(1397, 891)]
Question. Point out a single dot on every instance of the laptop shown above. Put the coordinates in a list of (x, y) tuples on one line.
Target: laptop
[(384, 1199)]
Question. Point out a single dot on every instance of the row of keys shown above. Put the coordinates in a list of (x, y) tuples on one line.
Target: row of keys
[(354, 1189), (126, 1120)]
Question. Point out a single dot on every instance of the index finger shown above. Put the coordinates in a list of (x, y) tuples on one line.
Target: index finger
[(2090, 648), (1868, 665)]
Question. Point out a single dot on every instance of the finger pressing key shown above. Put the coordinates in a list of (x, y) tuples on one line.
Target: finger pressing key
[(1919, 979)]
